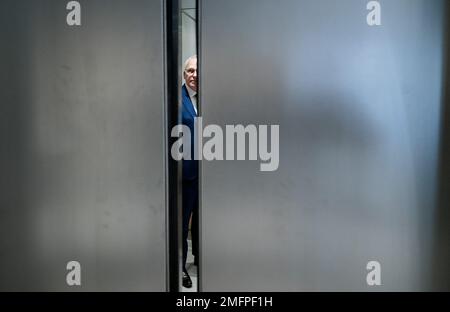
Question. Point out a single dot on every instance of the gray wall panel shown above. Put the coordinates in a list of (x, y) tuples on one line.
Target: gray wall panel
[(359, 113), (82, 146)]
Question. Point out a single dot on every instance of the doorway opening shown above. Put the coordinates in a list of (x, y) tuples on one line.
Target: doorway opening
[(189, 110)]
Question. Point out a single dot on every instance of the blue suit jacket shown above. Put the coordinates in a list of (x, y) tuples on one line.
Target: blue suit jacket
[(190, 167)]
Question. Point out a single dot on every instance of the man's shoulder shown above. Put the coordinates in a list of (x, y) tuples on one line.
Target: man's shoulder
[(185, 94)]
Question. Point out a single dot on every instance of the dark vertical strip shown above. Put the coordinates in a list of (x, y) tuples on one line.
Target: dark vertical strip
[(441, 278), (173, 89), (200, 109)]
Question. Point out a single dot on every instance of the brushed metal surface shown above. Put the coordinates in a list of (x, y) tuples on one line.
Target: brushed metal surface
[(82, 159), (359, 110)]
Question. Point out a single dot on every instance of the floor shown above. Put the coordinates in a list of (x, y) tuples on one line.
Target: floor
[(192, 269)]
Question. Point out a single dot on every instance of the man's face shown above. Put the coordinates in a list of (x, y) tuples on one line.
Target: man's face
[(190, 74)]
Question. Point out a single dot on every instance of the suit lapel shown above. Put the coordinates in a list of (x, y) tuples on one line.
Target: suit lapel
[(188, 103)]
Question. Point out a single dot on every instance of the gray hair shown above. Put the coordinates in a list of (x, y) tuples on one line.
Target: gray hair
[(193, 57)]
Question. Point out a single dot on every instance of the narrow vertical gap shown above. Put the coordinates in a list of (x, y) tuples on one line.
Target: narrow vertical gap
[(200, 109), (441, 252), (173, 89), (190, 181)]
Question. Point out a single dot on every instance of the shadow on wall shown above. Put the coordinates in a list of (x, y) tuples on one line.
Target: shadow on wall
[(441, 272)]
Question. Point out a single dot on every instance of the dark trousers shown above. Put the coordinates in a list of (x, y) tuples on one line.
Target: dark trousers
[(194, 234), (190, 206)]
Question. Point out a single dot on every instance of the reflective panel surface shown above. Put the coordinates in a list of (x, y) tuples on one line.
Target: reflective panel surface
[(82, 159), (359, 110)]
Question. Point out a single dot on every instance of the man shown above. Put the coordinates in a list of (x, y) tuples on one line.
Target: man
[(190, 167)]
